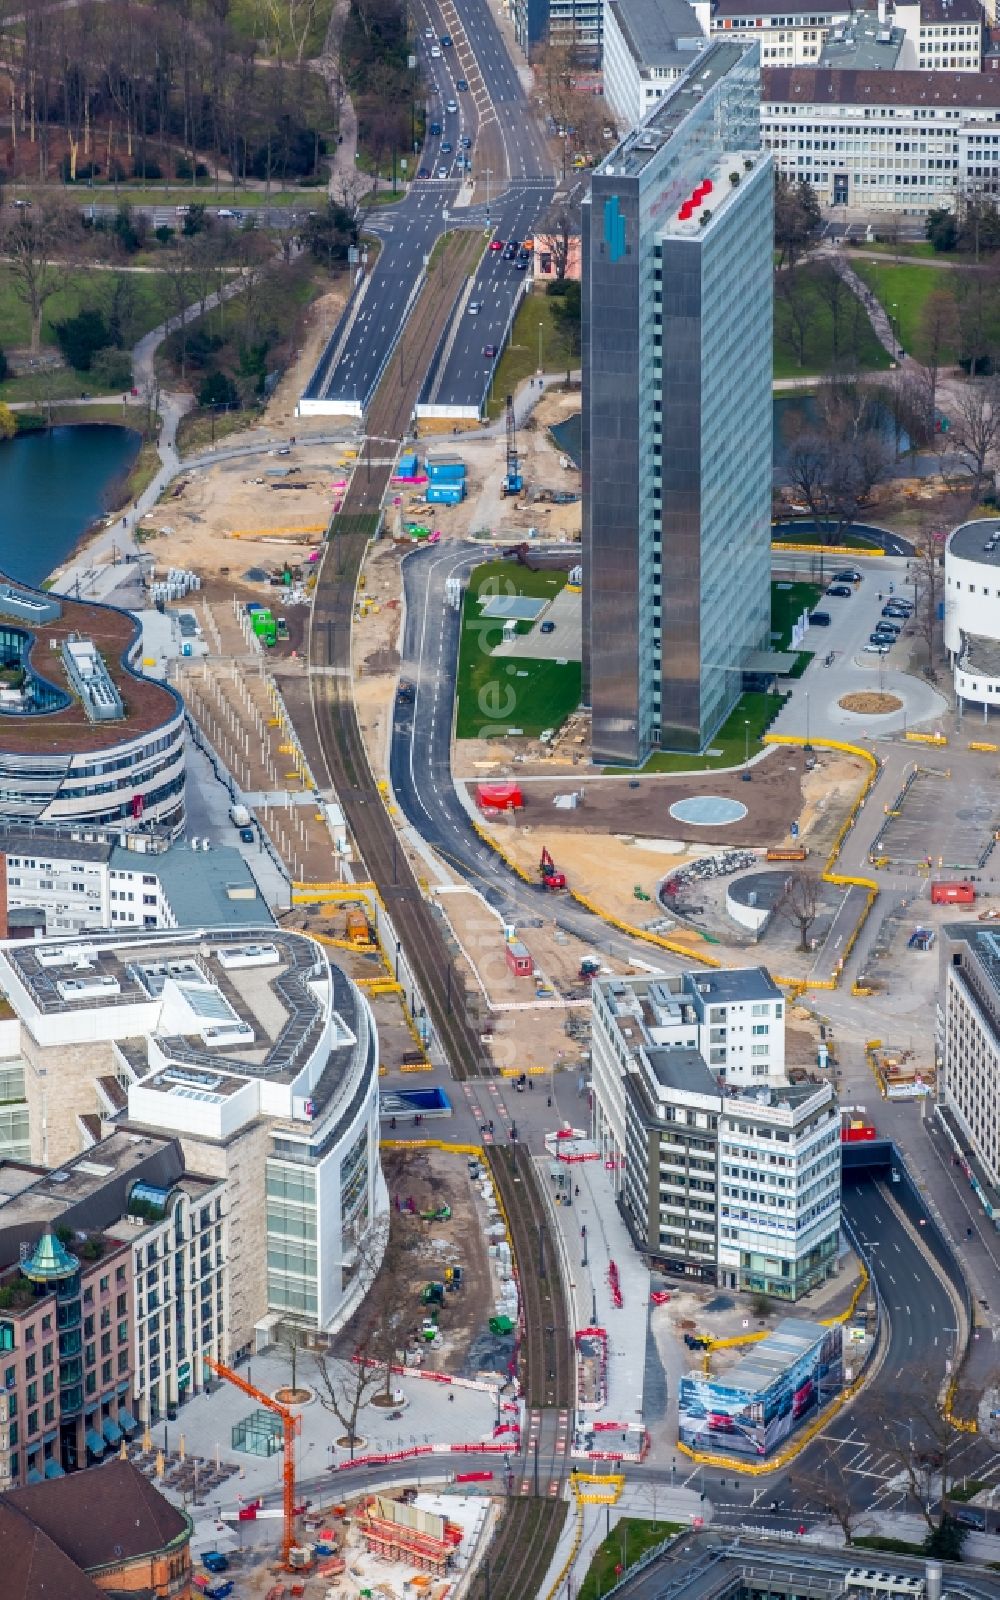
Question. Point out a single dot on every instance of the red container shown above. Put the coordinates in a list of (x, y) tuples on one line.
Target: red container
[(952, 894)]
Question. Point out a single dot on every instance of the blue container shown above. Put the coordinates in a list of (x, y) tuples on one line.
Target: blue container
[(445, 494), (446, 471)]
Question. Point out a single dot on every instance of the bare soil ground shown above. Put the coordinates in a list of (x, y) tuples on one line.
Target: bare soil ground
[(431, 1178), (870, 702)]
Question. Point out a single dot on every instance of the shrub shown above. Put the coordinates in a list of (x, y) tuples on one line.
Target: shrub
[(80, 337), (218, 389), (113, 367)]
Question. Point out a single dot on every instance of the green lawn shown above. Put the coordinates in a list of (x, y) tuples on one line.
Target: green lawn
[(923, 251), (520, 356), (856, 334), (499, 693), (628, 1540), (902, 291), (80, 287), (176, 193), (788, 601), (730, 744)]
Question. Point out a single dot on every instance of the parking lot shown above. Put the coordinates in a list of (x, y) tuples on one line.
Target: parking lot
[(960, 819), (843, 666)]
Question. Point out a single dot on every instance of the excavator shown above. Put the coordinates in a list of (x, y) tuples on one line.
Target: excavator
[(552, 878)]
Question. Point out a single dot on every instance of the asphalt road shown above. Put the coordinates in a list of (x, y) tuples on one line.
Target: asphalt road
[(512, 197), (420, 761)]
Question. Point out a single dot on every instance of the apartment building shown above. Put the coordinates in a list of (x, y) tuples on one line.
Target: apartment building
[(724, 1172), (65, 1355), (575, 24), (648, 44), (258, 1055), (884, 142), (942, 35), (968, 1047), (133, 1190), (677, 306)]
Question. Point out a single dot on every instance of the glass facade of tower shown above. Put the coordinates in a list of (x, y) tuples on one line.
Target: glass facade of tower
[(677, 413)]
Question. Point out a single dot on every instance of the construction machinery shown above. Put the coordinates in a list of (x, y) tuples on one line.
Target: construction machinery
[(589, 968), (513, 481), (290, 1425), (432, 1294), (552, 878)]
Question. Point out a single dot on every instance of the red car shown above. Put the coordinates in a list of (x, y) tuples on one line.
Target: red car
[(496, 244)]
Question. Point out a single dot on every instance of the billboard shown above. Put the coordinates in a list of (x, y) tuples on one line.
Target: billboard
[(736, 1419)]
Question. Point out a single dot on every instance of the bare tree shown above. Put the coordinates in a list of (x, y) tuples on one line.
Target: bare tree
[(293, 1339), (346, 1386), (793, 292), (558, 233), (800, 903), (924, 1446), (975, 430), (825, 1483), (937, 339), (928, 575), (32, 237)]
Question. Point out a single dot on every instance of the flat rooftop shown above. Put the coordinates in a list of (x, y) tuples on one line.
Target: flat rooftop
[(32, 1194), (637, 149), (789, 1341), (653, 31), (68, 728), (738, 984), (863, 42), (980, 655), (682, 1069), (977, 541), (220, 1005)]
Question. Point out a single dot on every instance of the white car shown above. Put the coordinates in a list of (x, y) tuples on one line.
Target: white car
[(876, 649), (224, 211), (452, 107), (436, 52), (475, 306), (428, 33)]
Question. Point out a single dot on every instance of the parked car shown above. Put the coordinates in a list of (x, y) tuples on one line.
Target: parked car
[(819, 619), (848, 575), (897, 608), (215, 1561), (891, 630), (841, 591), (881, 638), (877, 649), (547, 627)]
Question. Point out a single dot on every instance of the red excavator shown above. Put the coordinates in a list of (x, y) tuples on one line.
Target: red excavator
[(551, 877)]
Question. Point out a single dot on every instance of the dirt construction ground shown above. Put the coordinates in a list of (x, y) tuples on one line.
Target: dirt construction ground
[(431, 1178)]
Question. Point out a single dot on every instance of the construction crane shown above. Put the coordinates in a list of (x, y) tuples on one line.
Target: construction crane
[(513, 481), (290, 1425)]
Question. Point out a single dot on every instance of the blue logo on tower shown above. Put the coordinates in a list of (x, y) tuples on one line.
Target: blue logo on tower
[(614, 229)]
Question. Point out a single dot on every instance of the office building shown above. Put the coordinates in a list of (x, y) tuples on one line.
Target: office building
[(94, 1534), (259, 1056), (648, 44), (885, 142), (677, 312), (937, 35), (134, 1189), (968, 1048), (573, 24), (724, 1172), (972, 612), (84, 736), (77, 878)]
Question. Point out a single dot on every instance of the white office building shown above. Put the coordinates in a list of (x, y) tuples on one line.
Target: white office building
[(939, 35), (647, 45), (884, 142), (258, 1055), (969, 1053), (723, 1170), (972, 612)]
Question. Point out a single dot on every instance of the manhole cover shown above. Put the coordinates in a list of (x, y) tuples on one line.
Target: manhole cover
[(708, 811)]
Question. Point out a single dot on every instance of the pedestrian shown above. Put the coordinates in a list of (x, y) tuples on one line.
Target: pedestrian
[(549, 1101), (576, 1191), (491, 1124), (530, 1084)]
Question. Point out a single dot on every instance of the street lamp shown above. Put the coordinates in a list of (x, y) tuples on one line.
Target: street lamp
[(541, 330), (746, 742)]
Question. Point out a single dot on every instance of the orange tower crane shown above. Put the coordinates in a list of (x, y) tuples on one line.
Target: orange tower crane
[(290, 1424)]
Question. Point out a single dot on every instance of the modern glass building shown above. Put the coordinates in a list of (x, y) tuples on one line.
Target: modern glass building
[(677, 317)]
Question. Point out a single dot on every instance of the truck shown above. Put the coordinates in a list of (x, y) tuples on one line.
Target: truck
[(239, 816), (445, 494), (358, 931)]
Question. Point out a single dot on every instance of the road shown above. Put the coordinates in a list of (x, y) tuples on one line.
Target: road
[(484, 132)]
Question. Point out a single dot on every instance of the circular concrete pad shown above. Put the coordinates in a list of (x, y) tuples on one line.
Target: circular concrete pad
[(708, 811)]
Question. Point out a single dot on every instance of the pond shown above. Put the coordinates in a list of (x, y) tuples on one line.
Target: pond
[(53, 486)]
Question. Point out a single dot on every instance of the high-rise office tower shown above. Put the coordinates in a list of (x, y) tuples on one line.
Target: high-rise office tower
[(677, 312)]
